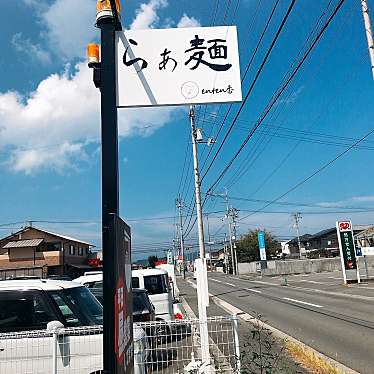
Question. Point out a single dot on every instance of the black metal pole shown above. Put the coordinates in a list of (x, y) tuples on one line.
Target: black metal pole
[(110, 194)]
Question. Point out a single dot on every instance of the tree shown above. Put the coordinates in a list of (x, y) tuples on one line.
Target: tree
[(248, 250), (152, 261)]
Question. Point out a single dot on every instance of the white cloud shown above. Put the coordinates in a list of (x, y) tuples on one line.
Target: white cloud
[(146, 15), (30, 50), (67, 31), (59, 158), (363, 199), (67, 28), (51, 127), (186, 21)]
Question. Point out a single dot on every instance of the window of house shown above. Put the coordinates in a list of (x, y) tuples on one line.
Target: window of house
[(80, 251), (55, 246), (71, 250), (86, 251), (329, 242)]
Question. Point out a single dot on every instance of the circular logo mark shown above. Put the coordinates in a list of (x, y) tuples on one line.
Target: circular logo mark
[(190, 90)]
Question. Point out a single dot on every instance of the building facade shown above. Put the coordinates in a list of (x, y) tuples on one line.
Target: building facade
[(33, 247), (325, 243)]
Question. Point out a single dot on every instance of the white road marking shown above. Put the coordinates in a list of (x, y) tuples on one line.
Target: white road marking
[(231, 309), (230, 284), (315, 282), (262, 282), (302, 302), (216, 280), (193, 285), (316, 290), (252, 290), (366, 288)]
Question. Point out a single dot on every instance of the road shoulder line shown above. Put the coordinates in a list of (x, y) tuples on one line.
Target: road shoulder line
[(314, 290)]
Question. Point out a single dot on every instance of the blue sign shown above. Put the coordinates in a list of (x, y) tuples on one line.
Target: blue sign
[(358, 252), (261, 244), (261, 239)]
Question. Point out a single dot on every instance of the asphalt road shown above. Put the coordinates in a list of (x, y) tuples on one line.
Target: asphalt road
[(334, 319), (248, 344)]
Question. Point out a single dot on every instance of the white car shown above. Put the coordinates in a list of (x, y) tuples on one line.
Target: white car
[(31, 309)]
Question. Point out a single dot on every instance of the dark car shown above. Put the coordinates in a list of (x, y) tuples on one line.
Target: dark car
[(143, 309)]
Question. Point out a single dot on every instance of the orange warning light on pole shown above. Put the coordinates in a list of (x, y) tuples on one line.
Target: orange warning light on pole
[(103, 9), (93, 53)]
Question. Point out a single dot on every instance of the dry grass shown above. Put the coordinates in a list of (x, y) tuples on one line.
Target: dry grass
[(309, 360)]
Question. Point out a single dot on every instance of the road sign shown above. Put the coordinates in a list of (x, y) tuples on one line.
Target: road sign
[(180, 66), (170, 258), (262, 245), (347, 248), (123, 321), (367, 251)]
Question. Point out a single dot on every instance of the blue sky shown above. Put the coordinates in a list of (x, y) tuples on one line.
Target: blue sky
[(50, 122)]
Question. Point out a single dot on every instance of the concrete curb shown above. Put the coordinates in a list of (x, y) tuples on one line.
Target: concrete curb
[(280, 334), (190, 313)]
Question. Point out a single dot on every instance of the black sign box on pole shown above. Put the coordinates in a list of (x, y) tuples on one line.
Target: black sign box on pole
[(122, 295)]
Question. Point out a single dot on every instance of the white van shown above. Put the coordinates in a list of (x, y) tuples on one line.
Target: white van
[(156, 282)]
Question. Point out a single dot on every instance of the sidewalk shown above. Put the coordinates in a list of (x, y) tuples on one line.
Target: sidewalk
[(257, 346)]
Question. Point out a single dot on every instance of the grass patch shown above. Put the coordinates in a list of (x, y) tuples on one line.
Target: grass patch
[(309, 360)]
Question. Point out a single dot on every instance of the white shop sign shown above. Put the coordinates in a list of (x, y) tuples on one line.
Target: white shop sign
[(181, 66)]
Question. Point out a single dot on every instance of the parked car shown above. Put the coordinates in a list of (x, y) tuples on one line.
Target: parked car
[(38, 304), (142, 307), (155, 281)]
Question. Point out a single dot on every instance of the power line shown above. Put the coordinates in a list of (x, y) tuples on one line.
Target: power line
[(323, 167), (288, 203), (189, 229), (252, 85), (277, 95), (227, 113)]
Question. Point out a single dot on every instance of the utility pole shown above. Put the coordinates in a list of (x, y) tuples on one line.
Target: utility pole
[(231, 215), (297, 217), (234, 215), (199, 210), (229, 218), (369, 33), (225, 253), (181, 235), (201, 276), (209, 242)]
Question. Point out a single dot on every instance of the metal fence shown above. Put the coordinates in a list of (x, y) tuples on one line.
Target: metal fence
[(159, 347), (37, 271), (71, 350), (175, 347)]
